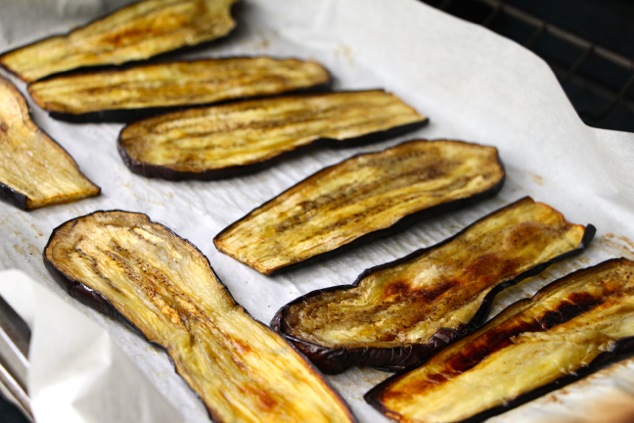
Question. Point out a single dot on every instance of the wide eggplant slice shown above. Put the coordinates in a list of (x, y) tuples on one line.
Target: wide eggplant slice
[(135, 32), (125, 264), (395, 315), (566, 331), (35, 171), (137, 91), (361, 198), (226, 140)]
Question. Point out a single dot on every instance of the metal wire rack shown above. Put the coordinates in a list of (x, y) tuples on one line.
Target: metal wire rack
[(596, 74)]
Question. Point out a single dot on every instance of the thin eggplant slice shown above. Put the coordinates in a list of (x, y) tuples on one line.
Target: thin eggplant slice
[(395, 315), (135, 32), (35, 171), (566, 331), (227, 140), (361, 198), (127, 94), (125, 264)]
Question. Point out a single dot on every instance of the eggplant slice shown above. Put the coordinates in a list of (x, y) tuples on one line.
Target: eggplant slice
[(227, 140), (395, 315), (566, 331), (135, 32), (35, 171), (125, 264), (138, 91), (362, 198)]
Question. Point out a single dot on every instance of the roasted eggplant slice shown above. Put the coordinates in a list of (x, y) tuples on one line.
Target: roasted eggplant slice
[(35, 171), (226, 140), (397, 313), (360, 198), (136, 32), (535, 345), (124, 263), (138, 91)]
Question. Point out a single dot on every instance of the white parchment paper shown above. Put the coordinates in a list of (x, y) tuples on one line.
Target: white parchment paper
[(77, 372), (473, 84)]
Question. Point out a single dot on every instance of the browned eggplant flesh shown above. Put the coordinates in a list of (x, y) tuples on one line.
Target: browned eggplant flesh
[(135, 32), (35, 171), (225, 140), (398, 313), (564, 332), (125, 94), (361, 198), (165, 287)]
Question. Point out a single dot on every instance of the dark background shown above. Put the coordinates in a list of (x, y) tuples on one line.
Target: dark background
[(589, 44)]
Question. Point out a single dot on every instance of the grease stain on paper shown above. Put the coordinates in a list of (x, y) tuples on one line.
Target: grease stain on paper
[(622, 244), (537, 179), (345, 52)]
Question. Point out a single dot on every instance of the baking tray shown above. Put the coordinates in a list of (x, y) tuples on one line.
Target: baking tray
[(473, 84)]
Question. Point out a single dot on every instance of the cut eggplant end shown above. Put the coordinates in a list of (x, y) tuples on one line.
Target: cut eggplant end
[(397, 314), (36, 171), (567, 330), (360, 198), (237, 138), (161, 284), (136, 32), (144, 89)]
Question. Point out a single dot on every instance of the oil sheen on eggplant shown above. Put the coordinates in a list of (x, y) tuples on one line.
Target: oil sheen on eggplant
[(361, 198), (225, 140), (397, 314), (135, 32), (566, 331), (165, 287), (35, 171), (125, 94)]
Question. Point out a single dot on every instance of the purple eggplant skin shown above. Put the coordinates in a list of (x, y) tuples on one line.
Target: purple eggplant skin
[(163, 172), (397, 359), (622, 349), (14, 197), (397, 227), (127, 116), (84, 294), (35, 142), (132, 115), (99, 303), (235, 11)]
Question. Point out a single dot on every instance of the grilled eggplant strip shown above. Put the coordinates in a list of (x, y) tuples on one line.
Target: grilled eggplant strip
[(226, 140), (140, 90), (360, 198), (135, 32), (165, 287), (35, 171), (566, 331), (395, 315)]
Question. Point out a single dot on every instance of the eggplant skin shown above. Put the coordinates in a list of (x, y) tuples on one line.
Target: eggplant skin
[(133, 92), (35, 171), (142, 273), (568, 330), (362, 198), (405, 310), (132, 33), (235, 139)]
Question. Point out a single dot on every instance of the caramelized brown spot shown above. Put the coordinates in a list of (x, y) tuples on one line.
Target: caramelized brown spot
[(402, 289), (265, 400), (576, 304)]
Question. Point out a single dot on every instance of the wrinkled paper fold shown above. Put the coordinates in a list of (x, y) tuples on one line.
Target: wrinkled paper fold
[(77, 373)]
